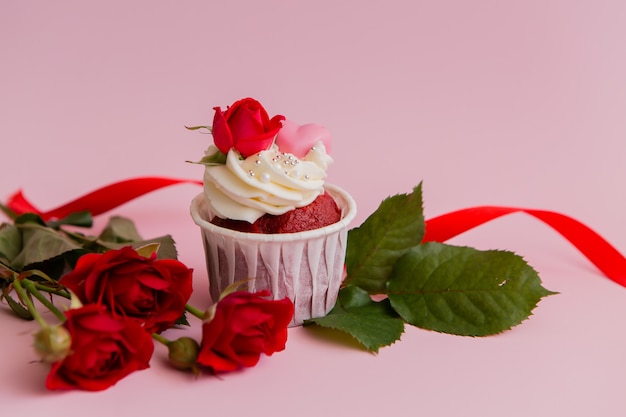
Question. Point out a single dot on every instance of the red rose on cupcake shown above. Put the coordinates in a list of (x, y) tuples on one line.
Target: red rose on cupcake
[(244, 326), (245, 126), (151, 291)]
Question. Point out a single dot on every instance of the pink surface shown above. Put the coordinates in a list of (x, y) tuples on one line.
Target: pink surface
[(487, 102)]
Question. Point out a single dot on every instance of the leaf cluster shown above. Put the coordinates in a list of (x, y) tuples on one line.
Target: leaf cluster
[(44, 251), (434, 286)]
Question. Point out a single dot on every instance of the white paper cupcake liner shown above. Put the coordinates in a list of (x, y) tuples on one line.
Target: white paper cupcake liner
[(307, 267)]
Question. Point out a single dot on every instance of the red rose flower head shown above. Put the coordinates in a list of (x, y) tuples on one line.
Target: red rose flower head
[(244, 326), (104, 350), (152, 291), (245, 126)]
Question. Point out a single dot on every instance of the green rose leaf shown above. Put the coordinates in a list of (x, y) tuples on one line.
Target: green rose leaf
[(40, 244), (29, 218), (120, 230), (8, 212), (10, 241), (373, 324), (79, 218), (463, 291), (395, 227), (166, 246), (55, 267)]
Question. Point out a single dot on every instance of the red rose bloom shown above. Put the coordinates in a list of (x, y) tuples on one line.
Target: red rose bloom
[(150, 290), (104, 350), (244, 126), (244, 326)]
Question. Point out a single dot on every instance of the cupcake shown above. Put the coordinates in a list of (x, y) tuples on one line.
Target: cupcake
[(266, 215)]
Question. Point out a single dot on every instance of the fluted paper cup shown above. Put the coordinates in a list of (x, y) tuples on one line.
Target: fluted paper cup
[(306, 266)]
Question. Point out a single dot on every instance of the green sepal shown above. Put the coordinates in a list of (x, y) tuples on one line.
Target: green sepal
[(241, 285), (373, 248), (148, 249), (182, 321), (463, 291), (373, 324), (216, 158), (75, 301), (209, 128)]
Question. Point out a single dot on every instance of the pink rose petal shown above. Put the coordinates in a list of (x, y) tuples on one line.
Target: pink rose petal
[(299, 139)]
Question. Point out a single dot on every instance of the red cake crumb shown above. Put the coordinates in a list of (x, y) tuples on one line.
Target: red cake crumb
[(323, 211)]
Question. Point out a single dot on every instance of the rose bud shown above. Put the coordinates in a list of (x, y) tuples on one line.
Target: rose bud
[(52, 344), (245, 126), (183, 353)]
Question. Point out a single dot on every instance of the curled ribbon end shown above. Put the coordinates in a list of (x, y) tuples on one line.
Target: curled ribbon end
[(20, 205), (597, 249)]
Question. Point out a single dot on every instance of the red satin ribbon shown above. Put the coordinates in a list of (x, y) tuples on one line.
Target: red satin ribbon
[(439, 229), (600, 252), (100, 200)]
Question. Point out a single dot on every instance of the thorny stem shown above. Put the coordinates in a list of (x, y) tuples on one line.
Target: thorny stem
[(32, 288), (51, 290)]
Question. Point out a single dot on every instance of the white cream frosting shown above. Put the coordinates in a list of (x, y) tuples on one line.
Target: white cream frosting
[(270, 181)]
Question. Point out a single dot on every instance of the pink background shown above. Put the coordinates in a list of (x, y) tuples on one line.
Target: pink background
[(517, 103)]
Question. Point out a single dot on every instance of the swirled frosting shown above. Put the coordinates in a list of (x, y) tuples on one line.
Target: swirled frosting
[(269, 182)]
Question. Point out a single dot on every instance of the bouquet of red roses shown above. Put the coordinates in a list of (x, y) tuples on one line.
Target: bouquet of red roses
[(122, 293)]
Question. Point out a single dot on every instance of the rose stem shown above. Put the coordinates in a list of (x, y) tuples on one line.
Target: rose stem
[(162, 339), (51, 290), (25, 297), (196, 312), (31, 287)]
